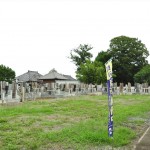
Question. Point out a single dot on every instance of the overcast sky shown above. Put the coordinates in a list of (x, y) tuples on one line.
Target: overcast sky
[(39, 35)]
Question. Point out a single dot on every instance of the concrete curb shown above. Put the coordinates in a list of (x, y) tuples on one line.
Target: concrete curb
[(144, 142)]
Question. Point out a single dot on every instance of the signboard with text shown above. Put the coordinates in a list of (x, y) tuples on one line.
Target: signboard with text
[(108, 66)]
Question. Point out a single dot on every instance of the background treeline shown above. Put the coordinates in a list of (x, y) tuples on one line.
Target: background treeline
[(129, 57), (6, 74)]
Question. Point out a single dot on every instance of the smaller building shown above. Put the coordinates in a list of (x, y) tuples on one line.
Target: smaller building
[(30, 77), (69, 80), (69, 84), (55, 80), (52, 76)]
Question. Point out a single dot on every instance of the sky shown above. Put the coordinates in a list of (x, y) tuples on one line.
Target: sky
[(38, 35)]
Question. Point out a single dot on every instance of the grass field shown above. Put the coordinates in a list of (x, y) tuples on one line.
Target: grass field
[(72, 123)]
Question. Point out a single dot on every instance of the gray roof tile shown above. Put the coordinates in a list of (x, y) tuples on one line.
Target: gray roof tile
[(29, 76), (53, 74), (70, 78)]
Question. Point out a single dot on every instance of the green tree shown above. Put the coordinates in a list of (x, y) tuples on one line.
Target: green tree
[(103, 57), (80, 55), (129, 56), (6, 74), (91, 72), (143, 76)]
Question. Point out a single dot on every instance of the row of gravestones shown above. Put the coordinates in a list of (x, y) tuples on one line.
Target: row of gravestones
[(20, 91), (128, 89), (55, 89), (85, 88), (56, 86), (8, 92)]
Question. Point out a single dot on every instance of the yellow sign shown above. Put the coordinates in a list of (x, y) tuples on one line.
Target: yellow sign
[(108, 66)]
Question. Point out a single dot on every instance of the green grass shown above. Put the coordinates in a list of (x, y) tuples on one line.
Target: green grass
[(72, 123)]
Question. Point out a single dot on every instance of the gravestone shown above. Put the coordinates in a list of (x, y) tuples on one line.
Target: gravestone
[(77, 88), (90, 88), (115, 88), (145, 88), (66, 87), (1, 89), (3, 98), (9, 96), (129, 87), (125, 89), (62, 87), (6, 88), (121, 88), (133, 90), (137, 87), (99, 88)]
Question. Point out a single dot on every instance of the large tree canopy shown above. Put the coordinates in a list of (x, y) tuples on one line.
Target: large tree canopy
[(129, 56), (91, 72), (6, 74), (80, 55), (103, 57), (143, 76)]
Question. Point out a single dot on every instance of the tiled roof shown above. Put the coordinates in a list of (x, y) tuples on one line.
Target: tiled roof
[(53, 74), (29, 76), (70, 78)]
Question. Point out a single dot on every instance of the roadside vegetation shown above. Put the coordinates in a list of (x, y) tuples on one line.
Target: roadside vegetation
[(72, 123)]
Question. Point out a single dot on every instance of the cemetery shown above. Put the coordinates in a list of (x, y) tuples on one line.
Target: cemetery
[(55, 106), (20, 91), (32, 86), (97, 98), (56, 111)]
